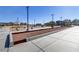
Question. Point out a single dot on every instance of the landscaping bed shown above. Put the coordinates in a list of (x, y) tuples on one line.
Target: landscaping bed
[(19, 37)]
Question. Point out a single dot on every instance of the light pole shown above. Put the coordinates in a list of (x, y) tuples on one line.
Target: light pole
[(43, 23), (17, 24), (34, 22), (61, 18), (27, 18), (61, 21), (52, 19)]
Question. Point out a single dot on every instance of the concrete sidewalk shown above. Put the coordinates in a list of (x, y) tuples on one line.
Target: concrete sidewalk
[(63, 41), (3, 40)]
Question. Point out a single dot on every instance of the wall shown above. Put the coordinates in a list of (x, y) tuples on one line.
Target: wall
[(18, 36)]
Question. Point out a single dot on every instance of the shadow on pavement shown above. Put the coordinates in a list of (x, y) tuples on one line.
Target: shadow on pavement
[(7, 42)]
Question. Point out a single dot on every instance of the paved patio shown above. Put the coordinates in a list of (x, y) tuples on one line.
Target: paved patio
[(63, 41)]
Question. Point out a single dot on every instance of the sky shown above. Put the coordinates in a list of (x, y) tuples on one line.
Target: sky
[(40, 14)]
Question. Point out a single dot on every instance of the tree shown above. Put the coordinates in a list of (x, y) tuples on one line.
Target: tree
[(67, 22), (22, 23), (75, 22), (38, 24), (59, 22), (51, 23)]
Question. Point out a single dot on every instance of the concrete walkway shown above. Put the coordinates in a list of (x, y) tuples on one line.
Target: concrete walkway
[(63, 41), (3, 40)]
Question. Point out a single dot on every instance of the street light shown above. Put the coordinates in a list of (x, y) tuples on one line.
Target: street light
[(27, 18), (52, 16), (18, 21), (61, 18), (52, 19), (34, 22), (17, 24), (61, 21)]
